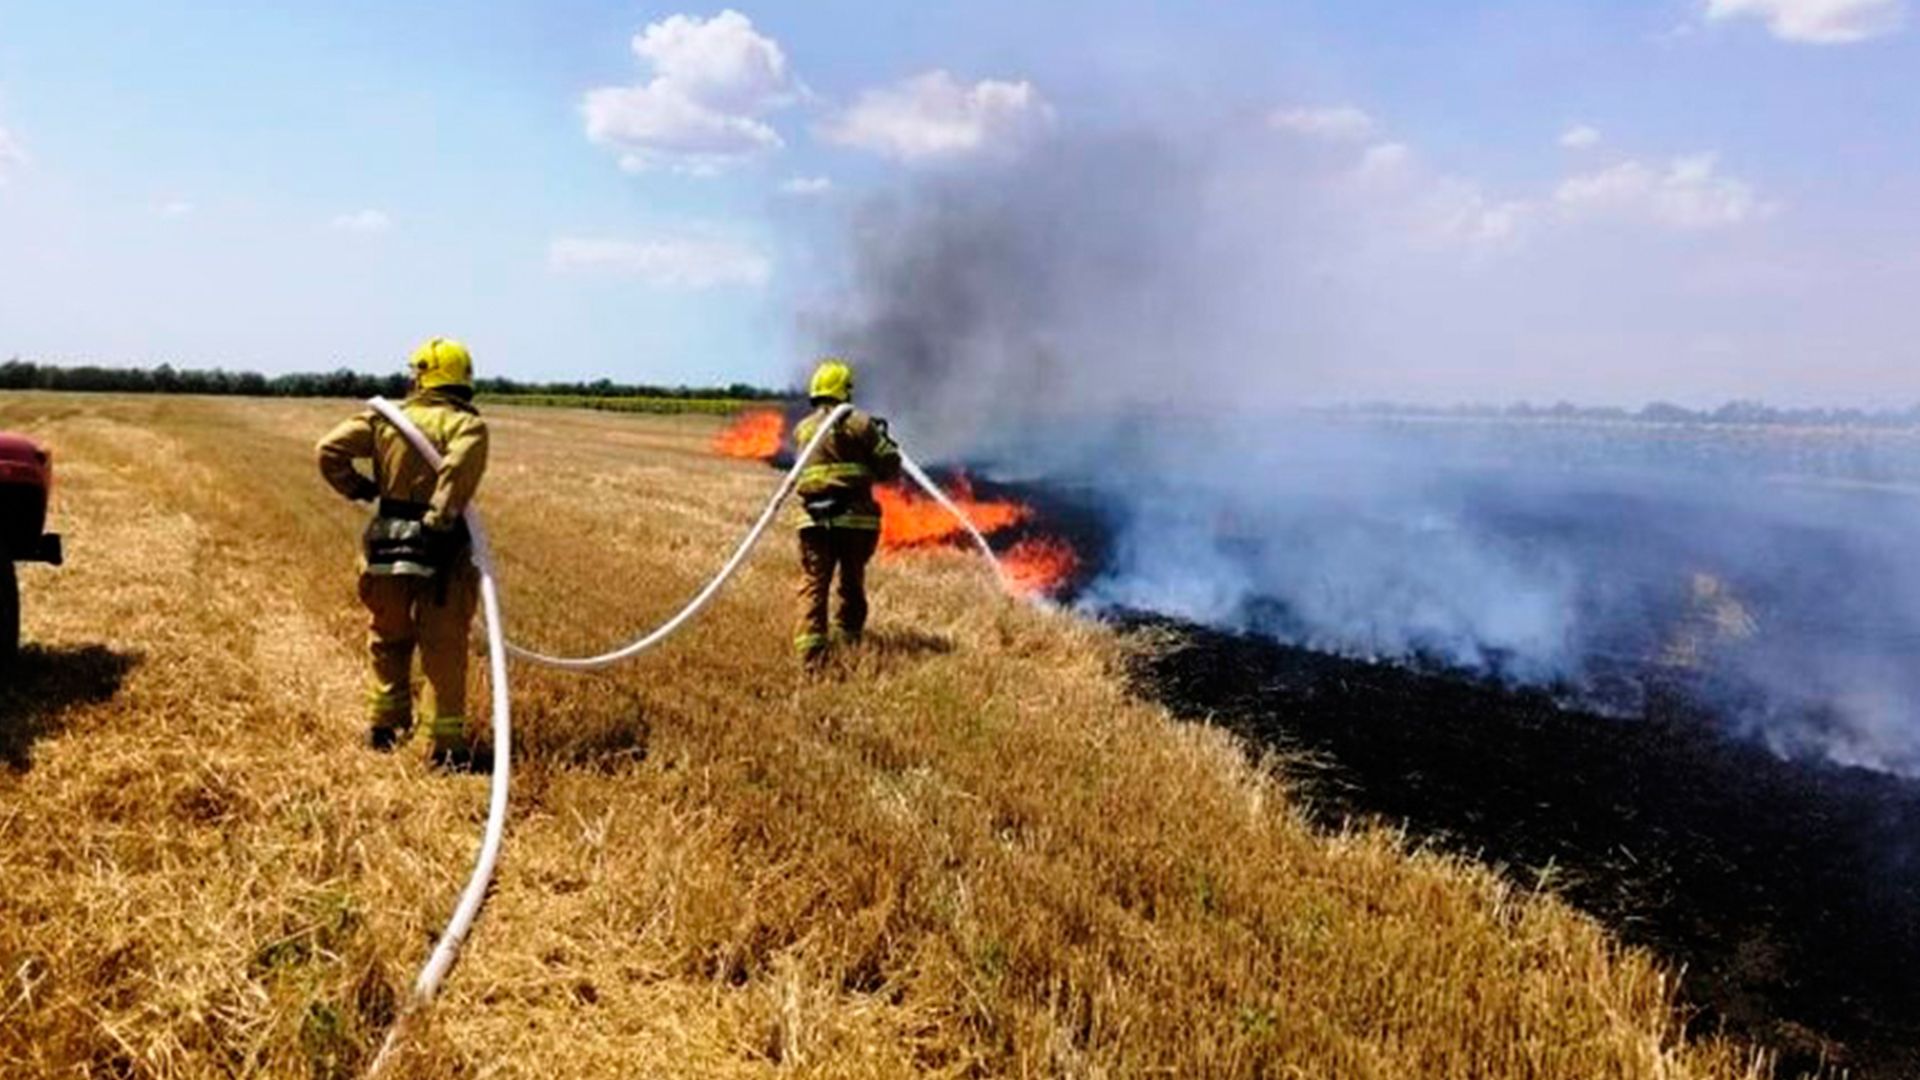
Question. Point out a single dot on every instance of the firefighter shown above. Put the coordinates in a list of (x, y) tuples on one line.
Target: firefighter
[(840, 525), (417, 577)]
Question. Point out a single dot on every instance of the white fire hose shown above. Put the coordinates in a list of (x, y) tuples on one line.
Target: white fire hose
[(448, 947), (475, 893), (700, 600)]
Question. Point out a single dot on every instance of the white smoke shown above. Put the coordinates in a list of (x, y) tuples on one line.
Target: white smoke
[(1142, 318)]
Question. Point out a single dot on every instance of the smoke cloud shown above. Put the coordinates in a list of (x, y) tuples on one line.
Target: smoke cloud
[(1144, 318), (1089, 278)]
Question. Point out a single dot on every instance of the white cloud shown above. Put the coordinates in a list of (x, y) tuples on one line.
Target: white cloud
[(1341, 123), (1454, 212), (691, 262), (179, 208), (655, 122), (1434, 210), (1689, 193), (1461, 213), (1437, 210), (1385, 159), (806, 185), (713, 80), (935, 116), (722, 62), (1817, 22), (362, 221), (1580, 137), (12, 155)]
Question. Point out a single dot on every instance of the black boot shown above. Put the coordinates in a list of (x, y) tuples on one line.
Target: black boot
[(456, 757), (383, 738), (466, 758)]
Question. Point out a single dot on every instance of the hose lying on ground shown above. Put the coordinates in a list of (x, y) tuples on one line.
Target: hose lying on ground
[(701, 599), (464, 914), (438, 963)]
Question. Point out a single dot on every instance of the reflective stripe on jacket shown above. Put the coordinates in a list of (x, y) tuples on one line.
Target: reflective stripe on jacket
[(434, 499), (836, 487)]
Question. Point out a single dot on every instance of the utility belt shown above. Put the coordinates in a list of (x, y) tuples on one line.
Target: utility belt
[(842, 508), (397, 544)]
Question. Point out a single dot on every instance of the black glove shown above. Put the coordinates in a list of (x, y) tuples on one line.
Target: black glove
[(443, 545)]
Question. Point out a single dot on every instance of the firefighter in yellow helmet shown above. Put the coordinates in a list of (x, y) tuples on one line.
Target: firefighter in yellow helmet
[(417, 576), (840, 527)]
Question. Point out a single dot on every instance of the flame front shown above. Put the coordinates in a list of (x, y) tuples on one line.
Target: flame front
[(1040, 565), (1036, 566), (756, 435), (910, 520)]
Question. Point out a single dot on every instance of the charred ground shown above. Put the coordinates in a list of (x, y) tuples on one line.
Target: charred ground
[(1671, 773), (1786, 888)]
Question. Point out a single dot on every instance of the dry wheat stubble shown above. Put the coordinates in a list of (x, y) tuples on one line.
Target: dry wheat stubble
[(966, 854)]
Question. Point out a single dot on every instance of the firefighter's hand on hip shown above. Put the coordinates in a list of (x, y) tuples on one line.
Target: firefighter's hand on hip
[(443, 545)]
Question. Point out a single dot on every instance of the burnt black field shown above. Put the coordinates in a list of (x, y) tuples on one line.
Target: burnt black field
[(1787, 889), (1671, 673)]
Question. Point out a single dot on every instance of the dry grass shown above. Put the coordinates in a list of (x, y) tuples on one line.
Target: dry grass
[(970, 854)]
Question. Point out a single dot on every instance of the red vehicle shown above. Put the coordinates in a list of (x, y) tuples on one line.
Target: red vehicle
[(26, 478)]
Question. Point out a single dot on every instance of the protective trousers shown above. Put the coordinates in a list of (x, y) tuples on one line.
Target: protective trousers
[(409, 612), (822, 552)]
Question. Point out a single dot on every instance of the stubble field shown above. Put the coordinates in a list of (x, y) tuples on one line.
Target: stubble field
[(967, 852)]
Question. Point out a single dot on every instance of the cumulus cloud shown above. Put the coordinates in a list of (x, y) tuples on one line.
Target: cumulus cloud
[(1580, 137), (935, 116), (806, 185), (1341, 123), (1413, 201), (1817, 22), (1435, 211), (1459, 212), (1428, 207), (712, 83), (1688, 193), (688, 262), (361, 221)]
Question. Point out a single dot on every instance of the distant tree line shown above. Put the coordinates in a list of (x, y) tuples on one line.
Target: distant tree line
[(346, 383), (343, 383), (1659, 412)]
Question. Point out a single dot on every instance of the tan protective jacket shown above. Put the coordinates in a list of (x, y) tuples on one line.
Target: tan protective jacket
[(837, 485), (453, 426)]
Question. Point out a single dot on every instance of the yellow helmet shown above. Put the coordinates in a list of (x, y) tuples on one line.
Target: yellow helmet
[(442, 362), (832, 380)]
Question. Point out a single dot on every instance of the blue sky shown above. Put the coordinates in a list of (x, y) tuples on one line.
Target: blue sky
[(1697, 199)]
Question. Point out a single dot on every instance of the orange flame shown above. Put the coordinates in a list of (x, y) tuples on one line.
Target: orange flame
[(755, 435), (908, 520), (1036, 566), (1040, 565)]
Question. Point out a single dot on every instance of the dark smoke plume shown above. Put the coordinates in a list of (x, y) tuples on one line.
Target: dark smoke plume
[(1097, 279), (1142, 319)]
